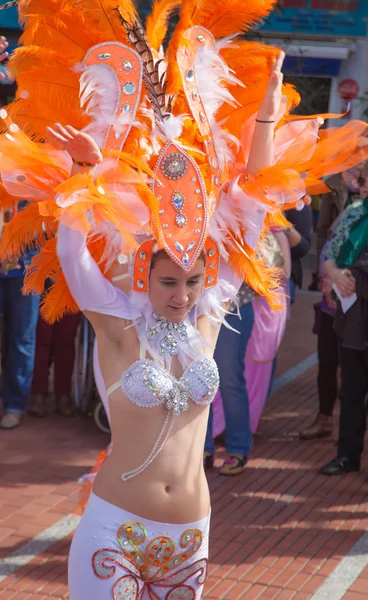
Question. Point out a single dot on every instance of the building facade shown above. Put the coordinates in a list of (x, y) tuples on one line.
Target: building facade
[(326, 45)]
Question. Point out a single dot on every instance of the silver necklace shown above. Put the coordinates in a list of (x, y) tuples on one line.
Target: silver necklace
[(168, 335)]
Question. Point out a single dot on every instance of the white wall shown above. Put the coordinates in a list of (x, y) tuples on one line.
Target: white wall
[(355, 67)]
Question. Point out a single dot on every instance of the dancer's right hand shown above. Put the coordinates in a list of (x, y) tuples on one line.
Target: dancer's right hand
[(80, 146)]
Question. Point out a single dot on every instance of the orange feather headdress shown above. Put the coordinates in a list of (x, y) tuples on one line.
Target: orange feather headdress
[(175, 130)]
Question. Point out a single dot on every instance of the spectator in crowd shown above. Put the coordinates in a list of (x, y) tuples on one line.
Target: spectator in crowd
[(344, 190), (229, 356), (347, 268), (300, 239), (54, 342), (18, 346), (269, 328)]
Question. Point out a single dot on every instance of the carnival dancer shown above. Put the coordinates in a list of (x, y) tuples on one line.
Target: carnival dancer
[(172, 167)]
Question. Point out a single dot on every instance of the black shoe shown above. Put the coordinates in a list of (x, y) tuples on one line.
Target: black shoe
[(208, 460), (340, 465)]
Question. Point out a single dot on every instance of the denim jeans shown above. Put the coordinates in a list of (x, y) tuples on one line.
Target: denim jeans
[(229, 356), (20, 320)]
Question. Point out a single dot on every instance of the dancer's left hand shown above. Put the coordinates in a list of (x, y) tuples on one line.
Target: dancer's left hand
[(273, 98), (3, 54)]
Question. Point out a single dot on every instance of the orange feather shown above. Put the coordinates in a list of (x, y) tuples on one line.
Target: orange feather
[(58, 301), (45, 264), (25, 228), (232, 16), (158, 21)]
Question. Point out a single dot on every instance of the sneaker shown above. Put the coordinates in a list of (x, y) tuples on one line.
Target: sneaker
[(11, 420), (234, 464)]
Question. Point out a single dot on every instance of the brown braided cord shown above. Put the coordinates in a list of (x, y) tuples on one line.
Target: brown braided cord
[(9, 4)]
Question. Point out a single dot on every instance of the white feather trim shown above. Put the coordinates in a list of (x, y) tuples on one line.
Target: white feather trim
[(99, 96), (211, 75)]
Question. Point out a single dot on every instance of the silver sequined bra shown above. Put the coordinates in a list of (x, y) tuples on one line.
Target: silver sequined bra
[(148, 385)]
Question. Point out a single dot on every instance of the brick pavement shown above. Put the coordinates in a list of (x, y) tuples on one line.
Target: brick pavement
[(278, 530)]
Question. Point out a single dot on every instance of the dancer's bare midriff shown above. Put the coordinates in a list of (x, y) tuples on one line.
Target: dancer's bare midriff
[(173, 488)]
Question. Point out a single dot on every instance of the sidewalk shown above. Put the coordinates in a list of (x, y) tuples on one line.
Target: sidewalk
[(279, 531)]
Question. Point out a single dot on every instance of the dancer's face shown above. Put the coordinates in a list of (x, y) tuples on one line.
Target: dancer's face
[(172, 291)]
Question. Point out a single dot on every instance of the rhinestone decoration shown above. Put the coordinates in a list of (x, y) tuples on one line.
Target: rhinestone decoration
[(178, 401), (189, 75), (174, 333), (21, 177), (178, 201), (214, 162), (142, 255), (201, 38), (191, 246), (202, 116), (122, 259), (104, 56), (199, 205), (161, 211), (194, 178), (211, 252), (140, 284), (179, 246), (210, 279), (197, 231), (165, 226), (174, 166), (180, 220), (129, 88), (126, 108), (212, 265), (185, 259), (127, 65), (198, 191)]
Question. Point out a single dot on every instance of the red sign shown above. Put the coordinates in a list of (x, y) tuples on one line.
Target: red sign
[(348, 89)]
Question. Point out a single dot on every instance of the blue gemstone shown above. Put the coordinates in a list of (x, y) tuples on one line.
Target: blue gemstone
[(185, 259), (191, 246), (177, 201)]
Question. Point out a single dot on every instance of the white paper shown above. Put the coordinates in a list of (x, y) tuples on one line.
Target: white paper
[(346, 301)]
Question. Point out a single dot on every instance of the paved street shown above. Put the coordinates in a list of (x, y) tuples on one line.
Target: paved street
[(279, 530)]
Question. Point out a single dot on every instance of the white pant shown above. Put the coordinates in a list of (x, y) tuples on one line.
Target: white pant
[(119, 556)]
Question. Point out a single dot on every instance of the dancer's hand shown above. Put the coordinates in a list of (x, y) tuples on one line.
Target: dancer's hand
[(80, 146), (273, 98), (3, 54)]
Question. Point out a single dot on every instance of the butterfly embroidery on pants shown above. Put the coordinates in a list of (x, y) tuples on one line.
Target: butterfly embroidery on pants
[(159, 566)]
